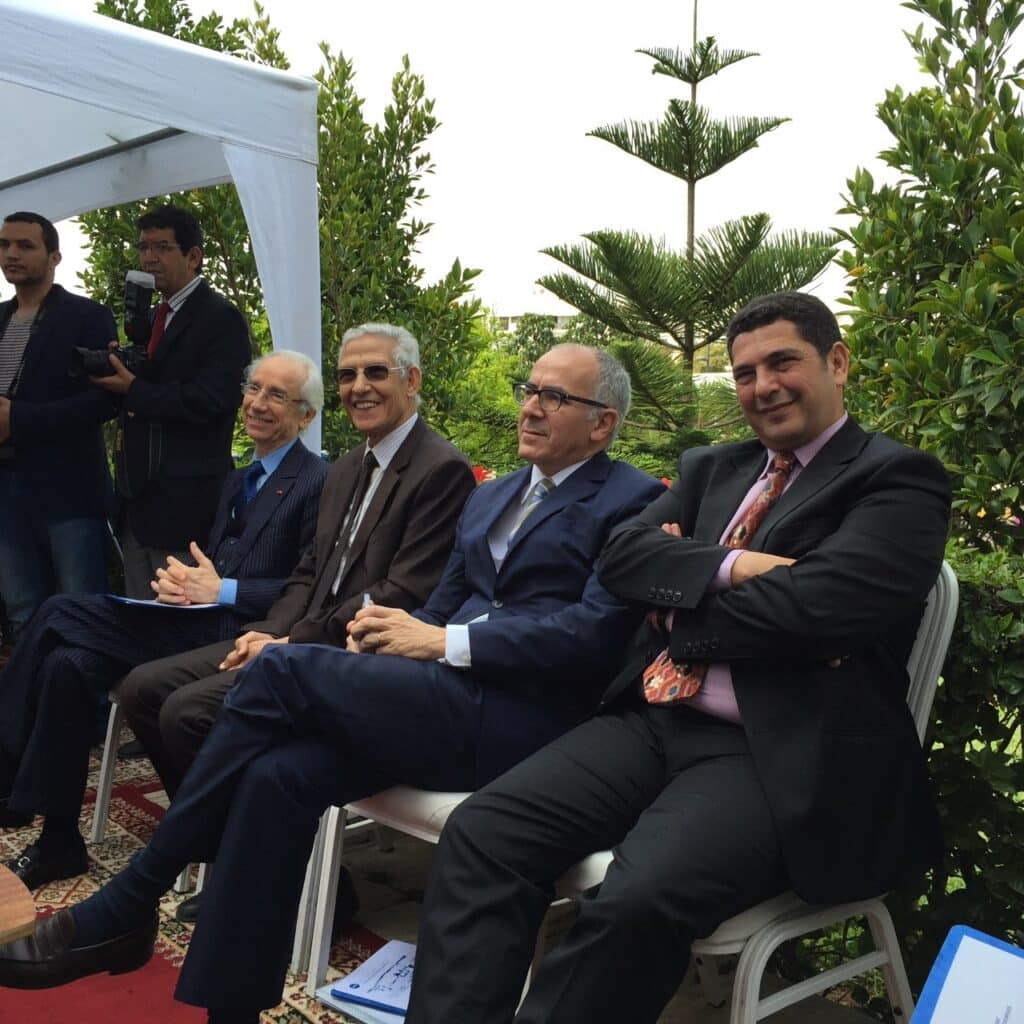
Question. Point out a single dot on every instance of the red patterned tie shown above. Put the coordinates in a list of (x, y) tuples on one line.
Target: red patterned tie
[(667, 681), (157, 330)]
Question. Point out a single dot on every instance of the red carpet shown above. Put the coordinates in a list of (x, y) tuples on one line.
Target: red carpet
[(144, 996)]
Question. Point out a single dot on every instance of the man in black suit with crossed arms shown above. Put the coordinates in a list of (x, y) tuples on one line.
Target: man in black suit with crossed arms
[(781, 752)]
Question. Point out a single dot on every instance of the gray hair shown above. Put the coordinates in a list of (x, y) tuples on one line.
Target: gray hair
[(613, 387), (407, 348), (311, 394)]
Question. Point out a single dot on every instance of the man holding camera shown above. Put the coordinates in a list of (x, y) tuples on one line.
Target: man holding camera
[(53, 473), (178, 402)]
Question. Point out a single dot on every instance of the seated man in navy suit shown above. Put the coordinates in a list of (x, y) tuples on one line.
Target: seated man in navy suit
[(512, 648), (77, 647)]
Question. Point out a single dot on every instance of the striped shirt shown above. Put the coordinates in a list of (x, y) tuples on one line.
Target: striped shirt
[(12, 350)]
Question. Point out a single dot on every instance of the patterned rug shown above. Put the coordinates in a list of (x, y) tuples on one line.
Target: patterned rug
[(137, 804)]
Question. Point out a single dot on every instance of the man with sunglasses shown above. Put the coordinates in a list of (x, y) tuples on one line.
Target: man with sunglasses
[(174, 430), (513, 647)]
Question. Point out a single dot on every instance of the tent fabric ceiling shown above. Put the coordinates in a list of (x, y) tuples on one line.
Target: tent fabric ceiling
[(96, 112)]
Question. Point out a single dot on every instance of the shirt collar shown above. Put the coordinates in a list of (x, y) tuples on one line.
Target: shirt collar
[(177, 300), (556, 478), (806, 452), (387, 447), (276, 457)]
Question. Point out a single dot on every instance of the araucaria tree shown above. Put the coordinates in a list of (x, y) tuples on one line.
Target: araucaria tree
[(641, 288)]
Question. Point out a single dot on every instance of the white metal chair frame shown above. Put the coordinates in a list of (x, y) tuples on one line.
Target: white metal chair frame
[(754, 935), (105, 786)]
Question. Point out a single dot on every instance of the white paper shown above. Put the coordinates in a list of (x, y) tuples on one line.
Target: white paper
[(382, 981), (362, 1013), (984, 985), (154, 603)]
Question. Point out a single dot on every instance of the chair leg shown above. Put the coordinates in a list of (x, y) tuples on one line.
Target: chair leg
[(895, 974), (332, 825), (105, 782), (307, 901), (183, 883), (711, 984), (203, 876)]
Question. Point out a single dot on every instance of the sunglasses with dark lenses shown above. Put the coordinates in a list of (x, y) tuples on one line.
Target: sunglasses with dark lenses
[(375, 373), (550, 399)]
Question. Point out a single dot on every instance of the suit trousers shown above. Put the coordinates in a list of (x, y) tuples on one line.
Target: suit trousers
[(141, 562), (306, 726), (674, 793), (75, 649), (171, 704)]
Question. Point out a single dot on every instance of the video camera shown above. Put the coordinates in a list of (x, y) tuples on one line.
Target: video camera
[(138, 298)]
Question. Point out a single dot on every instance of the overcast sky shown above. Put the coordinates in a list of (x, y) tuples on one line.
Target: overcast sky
[(518, 85)]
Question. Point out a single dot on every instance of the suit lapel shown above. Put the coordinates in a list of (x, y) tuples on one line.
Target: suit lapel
[(180, 321), (269, 497), (829, 463), (729, 482), (588, 479)]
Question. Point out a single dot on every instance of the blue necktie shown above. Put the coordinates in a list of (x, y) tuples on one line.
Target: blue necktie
[(247, 491)]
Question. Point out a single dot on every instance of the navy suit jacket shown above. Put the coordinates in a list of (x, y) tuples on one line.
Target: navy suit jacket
[(553, 634), (280, 524), (817, 650), (55, 418), (177, 419)]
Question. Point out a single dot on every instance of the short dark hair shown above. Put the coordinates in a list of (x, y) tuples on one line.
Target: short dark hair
[(187, 232), (50, 239), (813, 320)]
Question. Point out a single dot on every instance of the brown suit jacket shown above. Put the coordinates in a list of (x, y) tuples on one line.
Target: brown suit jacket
[(397, 554)]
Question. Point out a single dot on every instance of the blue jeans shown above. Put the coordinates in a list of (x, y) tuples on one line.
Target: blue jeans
[(40, 555)]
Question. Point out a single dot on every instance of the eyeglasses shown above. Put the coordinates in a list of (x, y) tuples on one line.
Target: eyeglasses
[(272, 395), (550, 399), (160, 248), (375, 373)]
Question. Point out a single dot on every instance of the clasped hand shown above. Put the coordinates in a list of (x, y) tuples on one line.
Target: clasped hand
[(187, 584), (381, 630)]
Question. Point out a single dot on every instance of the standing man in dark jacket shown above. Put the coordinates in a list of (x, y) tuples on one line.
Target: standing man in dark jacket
[(173, 446), (53, 474)]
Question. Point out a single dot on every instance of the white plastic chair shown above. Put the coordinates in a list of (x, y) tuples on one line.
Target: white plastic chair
[(105, 786), (754, 935)]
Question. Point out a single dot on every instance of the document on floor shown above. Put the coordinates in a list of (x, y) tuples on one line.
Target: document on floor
[(381, 983), (975, 978)]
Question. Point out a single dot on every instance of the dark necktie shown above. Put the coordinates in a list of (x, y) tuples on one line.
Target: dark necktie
[(247, 491), (159, 325), (348, 526), (667, 681)]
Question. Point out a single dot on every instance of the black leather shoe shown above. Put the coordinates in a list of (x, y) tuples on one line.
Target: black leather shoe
[(131, 751), (35, 866), (188, 910), (13, 819), (46, 958)]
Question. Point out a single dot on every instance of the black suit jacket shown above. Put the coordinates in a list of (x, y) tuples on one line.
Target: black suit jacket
[(397, 554), (834, 746), (55, 418), (279, 526), (174, 433)]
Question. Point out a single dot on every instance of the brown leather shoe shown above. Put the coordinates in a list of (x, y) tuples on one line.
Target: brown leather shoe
[(46, 959)]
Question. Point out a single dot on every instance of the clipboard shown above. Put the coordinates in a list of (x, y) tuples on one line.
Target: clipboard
[(975, 978)]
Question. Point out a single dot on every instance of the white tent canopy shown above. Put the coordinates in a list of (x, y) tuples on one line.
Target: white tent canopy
[(95, 113)]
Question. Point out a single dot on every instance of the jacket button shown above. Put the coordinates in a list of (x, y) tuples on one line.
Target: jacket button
[(677, 596), (652, 592), (661, 593), (714, 645), (497, 603)]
